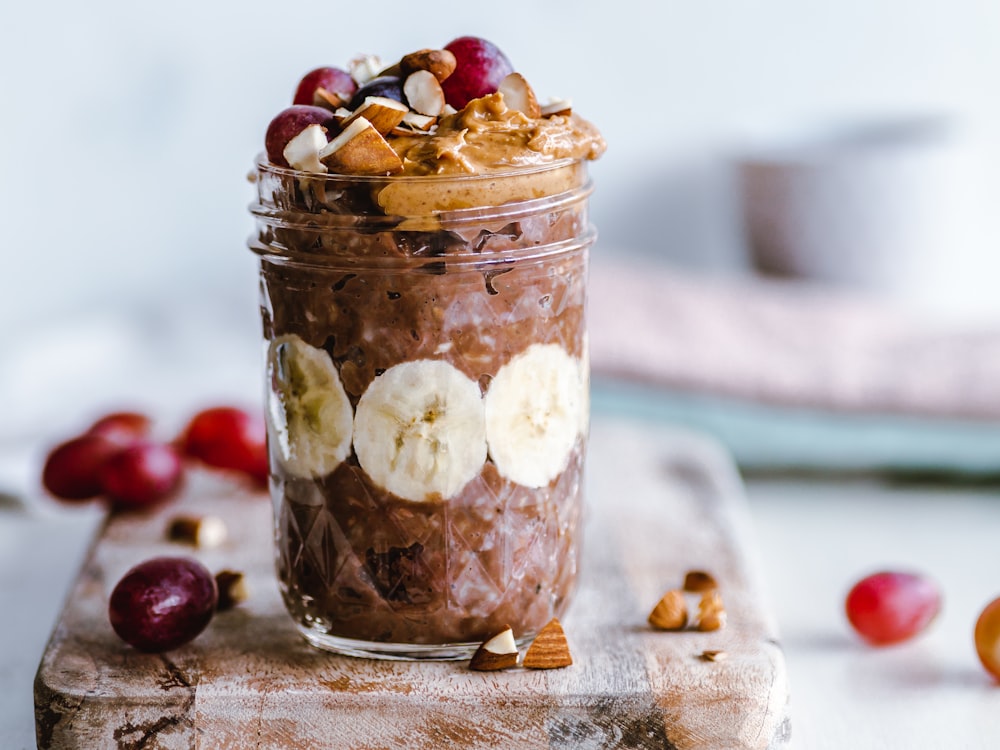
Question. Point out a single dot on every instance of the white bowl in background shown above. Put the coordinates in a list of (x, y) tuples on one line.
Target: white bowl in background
[(895, 207)]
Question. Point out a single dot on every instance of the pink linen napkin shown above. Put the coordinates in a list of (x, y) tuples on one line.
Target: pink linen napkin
[(787, 343)]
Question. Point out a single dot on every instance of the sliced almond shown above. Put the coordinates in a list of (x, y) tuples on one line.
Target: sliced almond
[(440, 62), (424, 93), (232, 589), (302, 151), (340, 114), (670, 613), (393, 70), (496, 652), (448, 110), (360, 149), (415, 124), (560, 107), (714, 655), (549, 650), (711, 613), (517, 94), (331, 100), (419, 121), (698, 581), (382, 112), (364, 68), (201, 531)]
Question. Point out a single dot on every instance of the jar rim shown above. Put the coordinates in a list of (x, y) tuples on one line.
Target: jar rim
[(262, 164)]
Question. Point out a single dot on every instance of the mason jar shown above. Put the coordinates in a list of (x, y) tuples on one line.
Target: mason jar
[(426, 400)]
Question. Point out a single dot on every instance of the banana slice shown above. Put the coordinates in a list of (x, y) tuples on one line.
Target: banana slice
[(420, 431), (533, 414), (311, 419)]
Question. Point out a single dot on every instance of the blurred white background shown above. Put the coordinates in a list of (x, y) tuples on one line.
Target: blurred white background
[(128, 129)]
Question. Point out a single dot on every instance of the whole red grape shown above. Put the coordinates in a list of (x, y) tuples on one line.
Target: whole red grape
[(122, 427), (142, 474), (480, 68), (163, 603), (389, 87), (890, 607), (334, 80), (72, 470), (228, 437), (287, 124)]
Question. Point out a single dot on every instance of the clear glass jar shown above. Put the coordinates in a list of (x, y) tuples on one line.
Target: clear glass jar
[(427, 402)]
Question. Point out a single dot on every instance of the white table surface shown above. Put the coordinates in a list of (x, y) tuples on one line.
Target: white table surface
[(815, 537)]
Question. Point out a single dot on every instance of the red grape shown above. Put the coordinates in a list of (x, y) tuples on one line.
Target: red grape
[(480, 67), (891, 607), (141, 474), (334, 80), (122, 427), (229, 438), (287, 124), (987, 638), (390, 87), (163, 603), (72, 470)]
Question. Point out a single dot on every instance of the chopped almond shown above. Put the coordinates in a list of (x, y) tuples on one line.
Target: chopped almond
[(670, 613), (549, 650), (383, 113), (517, 94), (496, 652), (360, 149)]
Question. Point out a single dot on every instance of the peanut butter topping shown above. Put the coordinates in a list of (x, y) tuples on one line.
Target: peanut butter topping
[(487, 136)]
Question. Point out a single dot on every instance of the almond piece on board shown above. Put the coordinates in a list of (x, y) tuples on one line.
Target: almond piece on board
[(232, 589), (424, 93), (517, 94), (711, 613), (201, 531), (496, 652), (360, 149), (440, 62), (670, 613), (382, 112), (699, 581), (549, 650)]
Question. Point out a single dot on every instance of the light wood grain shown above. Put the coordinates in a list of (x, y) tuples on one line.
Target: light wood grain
[(660, 503)]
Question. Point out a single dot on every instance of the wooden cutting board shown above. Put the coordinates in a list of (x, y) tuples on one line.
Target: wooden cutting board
[(660, 503)]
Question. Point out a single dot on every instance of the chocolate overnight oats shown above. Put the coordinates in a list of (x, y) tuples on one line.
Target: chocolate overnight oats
[(423, 272)]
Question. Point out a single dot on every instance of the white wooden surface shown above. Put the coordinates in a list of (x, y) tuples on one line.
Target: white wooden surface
[(659, 504), (814, 538)]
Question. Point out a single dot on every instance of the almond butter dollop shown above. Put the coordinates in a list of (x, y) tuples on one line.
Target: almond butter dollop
[(488, 139), (487, 136)]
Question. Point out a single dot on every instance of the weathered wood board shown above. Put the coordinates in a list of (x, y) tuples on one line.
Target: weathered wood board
[(659, 503)]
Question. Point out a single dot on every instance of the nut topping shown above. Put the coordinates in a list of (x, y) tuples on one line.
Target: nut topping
[(440, 63), (517, 94), (557, 107), (360, 149), (329, 99), (302, 151), (424, 93), (383, 113)]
